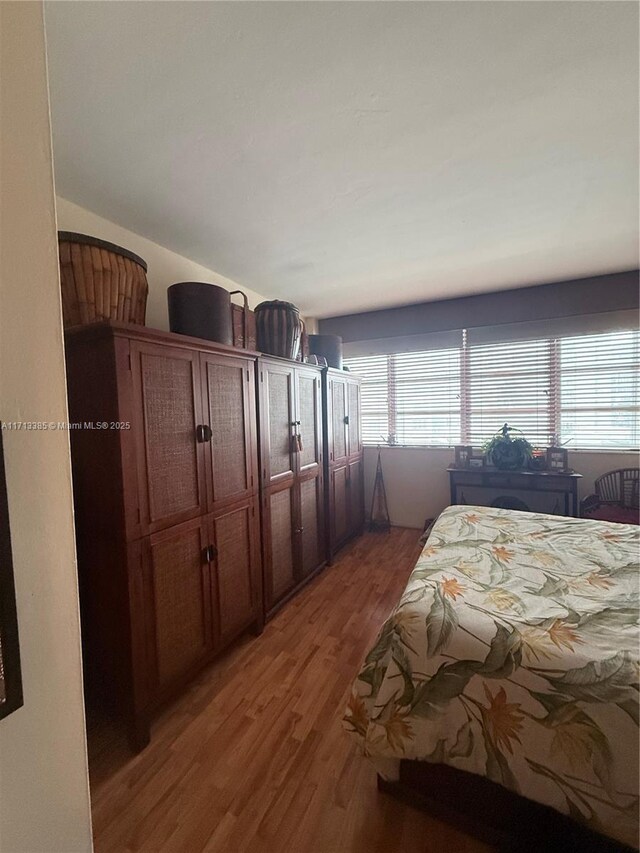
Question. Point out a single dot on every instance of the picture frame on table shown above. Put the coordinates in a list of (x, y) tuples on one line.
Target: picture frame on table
[(477, 460), (557, 459), (462, 454)]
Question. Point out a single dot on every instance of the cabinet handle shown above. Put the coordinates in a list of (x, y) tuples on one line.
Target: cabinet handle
[(295, 423), (299, 529), (346, 420), (203, 433), (210, 553)]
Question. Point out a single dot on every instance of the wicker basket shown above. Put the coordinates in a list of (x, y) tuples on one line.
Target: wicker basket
[(100, 281), (279, 328)]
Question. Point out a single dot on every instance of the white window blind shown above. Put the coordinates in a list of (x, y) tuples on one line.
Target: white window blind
[(375, 408), (599, 393), (509, 382), (427, 396), (581, 390), (410, 398)]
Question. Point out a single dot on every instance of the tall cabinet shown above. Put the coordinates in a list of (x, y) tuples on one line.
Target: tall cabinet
[(164, 452), (344, 458), (292, 477)]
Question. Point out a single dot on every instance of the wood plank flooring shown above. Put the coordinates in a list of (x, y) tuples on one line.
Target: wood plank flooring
[(254, 757)]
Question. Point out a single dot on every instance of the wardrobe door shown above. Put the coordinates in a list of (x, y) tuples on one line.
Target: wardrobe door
[(235, 569), (278, 461), (277, 423), (279, 513), (338, 446), (310, 551), (167, 412), (353, 417), (178, 599), (339, 505), (308, 419), (228, 392), (311, 538)]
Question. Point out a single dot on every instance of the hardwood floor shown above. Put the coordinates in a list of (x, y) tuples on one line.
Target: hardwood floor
[(254, 757)]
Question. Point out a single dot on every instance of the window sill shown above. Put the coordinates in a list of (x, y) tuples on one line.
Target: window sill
[(409, 446), (608, 451)]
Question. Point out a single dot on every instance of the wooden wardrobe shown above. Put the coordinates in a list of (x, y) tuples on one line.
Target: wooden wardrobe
[(344, 464), (165, 466), (292, 477)]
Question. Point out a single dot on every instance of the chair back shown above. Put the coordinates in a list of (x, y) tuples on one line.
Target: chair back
[(619, 487)]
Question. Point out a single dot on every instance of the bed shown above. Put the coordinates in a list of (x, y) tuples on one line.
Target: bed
[(513, 655)]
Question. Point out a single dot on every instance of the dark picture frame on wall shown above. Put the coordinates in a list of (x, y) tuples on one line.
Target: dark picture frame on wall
[(10, 672)]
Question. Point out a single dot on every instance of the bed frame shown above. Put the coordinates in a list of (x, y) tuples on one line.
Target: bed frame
[(492, 813)]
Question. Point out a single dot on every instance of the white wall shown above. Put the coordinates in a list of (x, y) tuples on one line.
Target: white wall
[(417, 482), (164, 267), (44, 794)]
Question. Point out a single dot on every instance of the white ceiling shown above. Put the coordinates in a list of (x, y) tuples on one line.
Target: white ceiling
[(348, 156)]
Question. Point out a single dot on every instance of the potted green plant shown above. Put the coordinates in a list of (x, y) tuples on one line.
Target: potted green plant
[(507, 451)]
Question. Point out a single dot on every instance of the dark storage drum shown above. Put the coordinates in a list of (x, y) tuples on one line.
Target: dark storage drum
[(100, 281), (328, 346), (278, 328), (202, 310)]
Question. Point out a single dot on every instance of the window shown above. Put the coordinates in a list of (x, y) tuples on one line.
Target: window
[(374, 403), (410, 398), (599, 390), (509, 382), (583, 391), (427, 396)]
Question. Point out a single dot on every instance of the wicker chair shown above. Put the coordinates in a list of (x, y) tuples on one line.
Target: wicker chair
[(617, 497)]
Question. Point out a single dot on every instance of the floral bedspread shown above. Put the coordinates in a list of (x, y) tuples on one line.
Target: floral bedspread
[(513, 654)]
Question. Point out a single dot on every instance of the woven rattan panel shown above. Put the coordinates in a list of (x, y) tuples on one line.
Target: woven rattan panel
[(280, 423), (233, 569), (172, 472), (339, 485), (180, 597), (354, 417), (309, 513), (338, 403), (227, 421), (281, 535), (308, 419), (237, 314)]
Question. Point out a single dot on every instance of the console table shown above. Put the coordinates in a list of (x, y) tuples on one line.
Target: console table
[(563, 484)]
